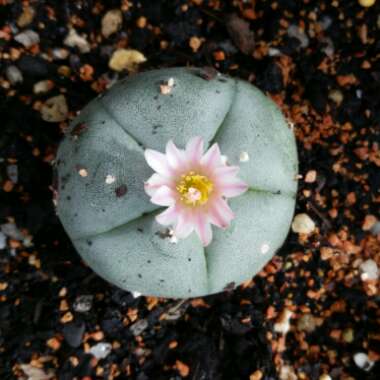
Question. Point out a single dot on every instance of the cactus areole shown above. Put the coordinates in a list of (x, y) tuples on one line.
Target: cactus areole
[(178, 182)]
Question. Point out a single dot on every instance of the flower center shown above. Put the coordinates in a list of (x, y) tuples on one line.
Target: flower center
[(195, 189)]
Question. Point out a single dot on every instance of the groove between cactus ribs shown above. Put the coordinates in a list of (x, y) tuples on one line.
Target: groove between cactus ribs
[(252, 191), (116, 120), (159, 209), (213, 140)]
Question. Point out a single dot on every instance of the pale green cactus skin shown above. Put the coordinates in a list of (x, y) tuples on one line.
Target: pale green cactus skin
[(116, 233)]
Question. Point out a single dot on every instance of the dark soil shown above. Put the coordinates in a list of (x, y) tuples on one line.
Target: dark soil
[(320, 61)]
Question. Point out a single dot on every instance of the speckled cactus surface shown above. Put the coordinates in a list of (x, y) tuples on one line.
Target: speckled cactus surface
[(101, 172)]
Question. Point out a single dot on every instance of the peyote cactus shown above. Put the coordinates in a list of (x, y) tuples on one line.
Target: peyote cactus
[(102, 170)]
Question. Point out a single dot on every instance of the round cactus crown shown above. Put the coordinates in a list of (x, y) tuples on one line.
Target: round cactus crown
[(104, 170)]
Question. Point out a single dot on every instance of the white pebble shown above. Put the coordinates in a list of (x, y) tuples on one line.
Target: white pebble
[(111, 22), (291, 125), (361, 359), (42, 87), (60, 53), (336, 96), (287, 373), (264, 248), (303, 224), (311, 176), (34, 373), (244, 157), (369, 270), (136, 294), (282, 325), (110, 179), (27, 38), (171, 82), (55, 109), (83, 172), (73, 39), (273, 52), (172, 238), (101, 350), (126, 59)]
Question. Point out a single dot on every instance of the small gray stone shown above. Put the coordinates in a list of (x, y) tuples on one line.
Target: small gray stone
[(3, 241), (83, 303), (27, 38), (326, 22), (10, 230), (34, 373), (12, 172), (73, 333), (362, 360), (13, 74), (101, 350), (376, 228), (295, 32), (138, 327)]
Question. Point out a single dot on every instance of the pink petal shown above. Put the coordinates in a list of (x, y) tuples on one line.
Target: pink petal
[(158, 162), (225, 172), (233, 189), (194, 149), (203, 228), (174, 156), (223, 206), (220, 213), (212, 158), (184, 226), (164, 196), (154, 182), (169, 216)]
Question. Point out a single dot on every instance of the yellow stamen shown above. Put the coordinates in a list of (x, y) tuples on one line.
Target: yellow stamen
[(195, 189)]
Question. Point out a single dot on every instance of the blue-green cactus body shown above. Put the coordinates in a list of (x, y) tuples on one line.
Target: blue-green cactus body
[(101, 167)]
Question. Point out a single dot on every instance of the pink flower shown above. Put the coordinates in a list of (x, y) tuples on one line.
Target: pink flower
[(194, 186)]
